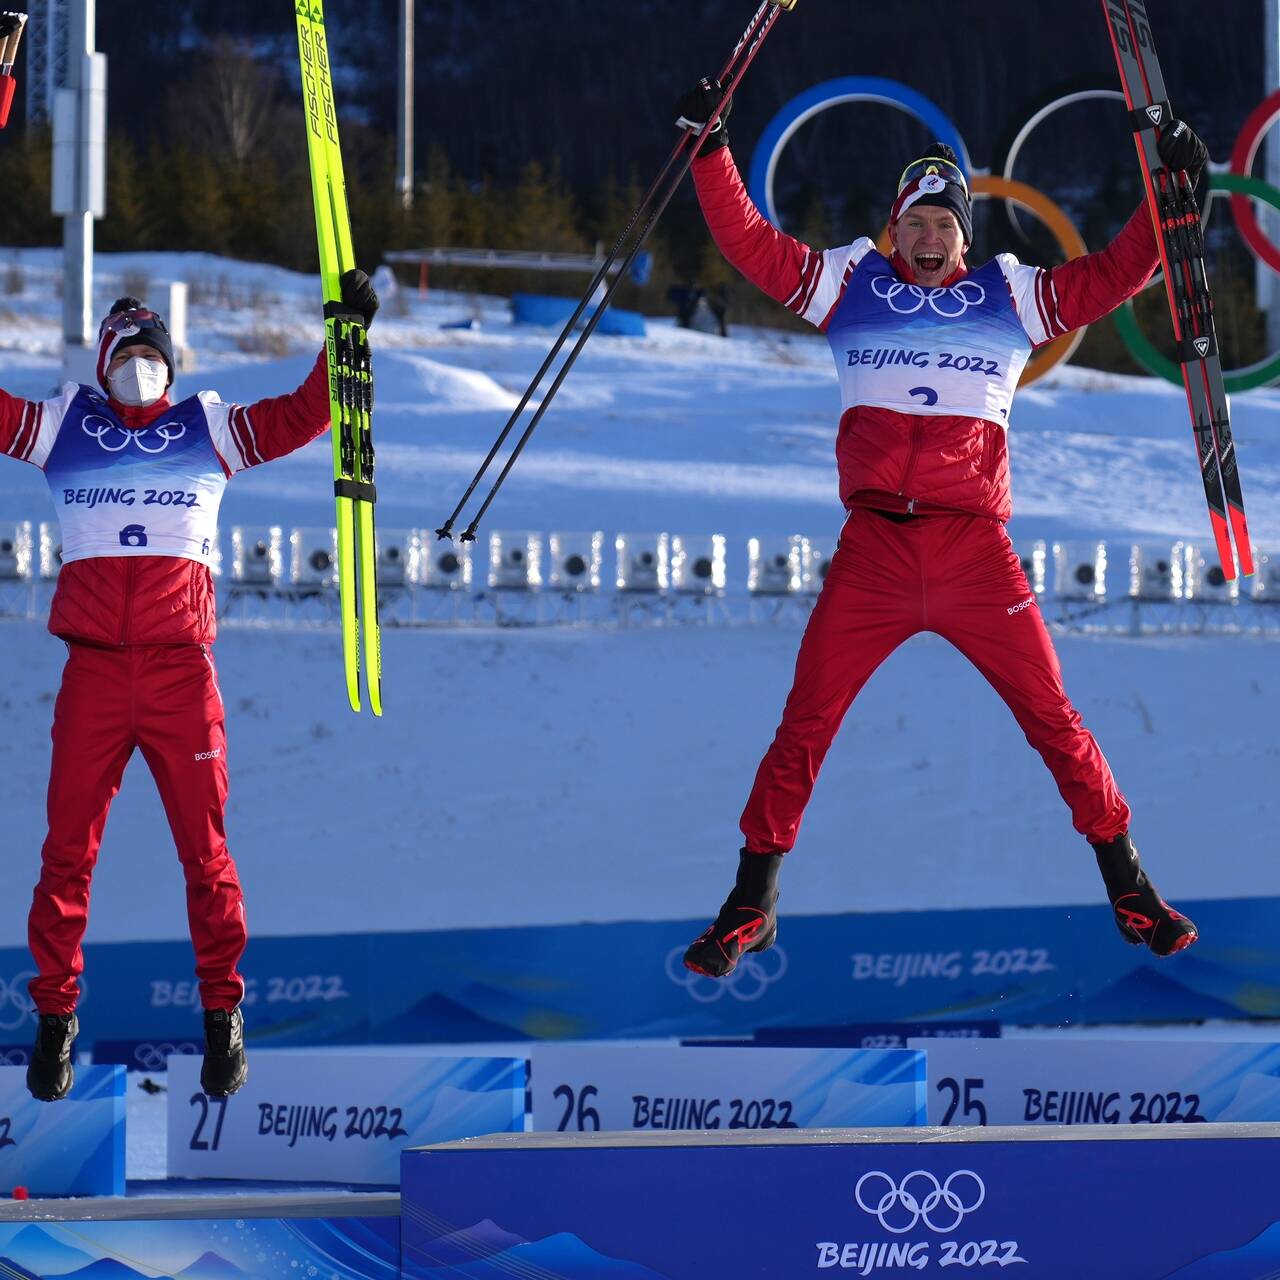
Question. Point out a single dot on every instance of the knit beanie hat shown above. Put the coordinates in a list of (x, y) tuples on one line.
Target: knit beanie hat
[(130, 324)]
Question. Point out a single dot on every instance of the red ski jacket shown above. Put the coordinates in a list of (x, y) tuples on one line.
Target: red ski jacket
[(162, 599), (899, 461)]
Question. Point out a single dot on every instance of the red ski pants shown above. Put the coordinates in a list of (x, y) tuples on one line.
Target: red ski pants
[(957, 576), (165, 701)]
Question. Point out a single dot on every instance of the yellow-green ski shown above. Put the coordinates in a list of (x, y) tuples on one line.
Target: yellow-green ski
[(350, 375)]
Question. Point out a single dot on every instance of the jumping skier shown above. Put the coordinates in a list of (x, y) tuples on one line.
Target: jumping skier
[(928, 354), (136, 482)]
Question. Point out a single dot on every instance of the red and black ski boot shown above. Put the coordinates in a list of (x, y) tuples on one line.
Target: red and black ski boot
[(748, 921), (1142, 915)]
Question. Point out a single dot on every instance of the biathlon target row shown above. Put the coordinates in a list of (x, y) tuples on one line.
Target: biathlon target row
[(1238, 182)]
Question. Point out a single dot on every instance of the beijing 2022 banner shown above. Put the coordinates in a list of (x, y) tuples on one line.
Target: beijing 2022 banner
[(1059, 1208), (1030, 966)]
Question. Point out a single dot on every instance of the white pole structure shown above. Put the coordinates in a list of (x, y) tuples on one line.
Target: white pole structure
[(1267, 282), (79, 182), (404, 129)]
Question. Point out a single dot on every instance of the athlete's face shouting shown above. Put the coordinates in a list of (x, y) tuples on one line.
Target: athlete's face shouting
[(930, 242)]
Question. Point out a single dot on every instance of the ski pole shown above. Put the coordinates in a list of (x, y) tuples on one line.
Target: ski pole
[(590, 327), (762, 20)]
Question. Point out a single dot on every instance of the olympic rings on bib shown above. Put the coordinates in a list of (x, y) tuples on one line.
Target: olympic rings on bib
[(962, 296), (114, 438), (1238, 182)]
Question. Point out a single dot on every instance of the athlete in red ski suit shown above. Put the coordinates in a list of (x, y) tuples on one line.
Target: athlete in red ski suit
[(928, 354), (139, 629)]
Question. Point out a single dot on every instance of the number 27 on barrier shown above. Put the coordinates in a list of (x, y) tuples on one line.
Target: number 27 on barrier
[(205, 1104)]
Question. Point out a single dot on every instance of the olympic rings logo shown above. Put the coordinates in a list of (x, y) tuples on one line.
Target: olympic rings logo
[(103, 429), (17, 1008), (966, 294), (755, 972), (920, 1197), (1237, 181), (155, 1057), (15, 1057)]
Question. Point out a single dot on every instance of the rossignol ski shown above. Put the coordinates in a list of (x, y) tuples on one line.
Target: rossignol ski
[(350, 369), (650, 208), (1171, 198)]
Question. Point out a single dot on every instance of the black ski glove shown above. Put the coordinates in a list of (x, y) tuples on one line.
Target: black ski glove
[(1180, 148), (358, 294), (695, 107)]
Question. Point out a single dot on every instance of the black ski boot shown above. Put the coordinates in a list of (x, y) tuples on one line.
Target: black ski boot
[(748, 921), (50, 1074), (1142, 915), (225, 1067)]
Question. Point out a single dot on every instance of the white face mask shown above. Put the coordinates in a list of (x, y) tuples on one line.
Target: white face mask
[(139, 381)]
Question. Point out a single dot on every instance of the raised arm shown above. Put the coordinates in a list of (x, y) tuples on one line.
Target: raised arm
[(19, 427), (249, 435), (773, 261), (1085, 289), (1088, 288)]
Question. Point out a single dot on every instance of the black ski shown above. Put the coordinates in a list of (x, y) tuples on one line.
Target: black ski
[(1171, 198)]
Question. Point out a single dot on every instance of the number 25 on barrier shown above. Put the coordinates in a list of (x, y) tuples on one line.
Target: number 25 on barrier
[(973, 1111), (205, 1104)]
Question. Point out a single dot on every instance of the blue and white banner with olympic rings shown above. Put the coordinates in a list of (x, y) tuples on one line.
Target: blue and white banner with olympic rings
[(1198, 1204), (1016, 965), (1074, 1082), (70, 1148), (146, 1055), (585, 1088)]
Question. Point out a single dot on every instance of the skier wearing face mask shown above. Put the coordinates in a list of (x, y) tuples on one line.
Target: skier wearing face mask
[(136, 481)]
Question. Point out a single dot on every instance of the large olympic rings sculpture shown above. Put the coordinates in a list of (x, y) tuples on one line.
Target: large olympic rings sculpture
[(1237, 181)]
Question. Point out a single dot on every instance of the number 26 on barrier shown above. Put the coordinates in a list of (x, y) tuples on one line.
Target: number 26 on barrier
[(587, 1117), (205, 1104), (973, 1110)]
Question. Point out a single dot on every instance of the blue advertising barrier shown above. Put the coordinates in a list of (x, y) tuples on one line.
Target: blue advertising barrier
[(239, 1238), (548, 309), (1029, 966), (341, 1116), (846, 1202), (70, 1148)]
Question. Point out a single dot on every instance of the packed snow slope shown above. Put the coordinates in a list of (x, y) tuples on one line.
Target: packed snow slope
[(527, 776)]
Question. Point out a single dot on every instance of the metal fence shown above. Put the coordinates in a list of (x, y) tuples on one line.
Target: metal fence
[(270, 576)]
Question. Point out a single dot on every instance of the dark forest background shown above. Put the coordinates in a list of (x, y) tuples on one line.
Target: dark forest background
[(538, 126)]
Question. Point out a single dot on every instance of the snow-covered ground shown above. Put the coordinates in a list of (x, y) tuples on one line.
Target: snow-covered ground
[(555, 775)]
